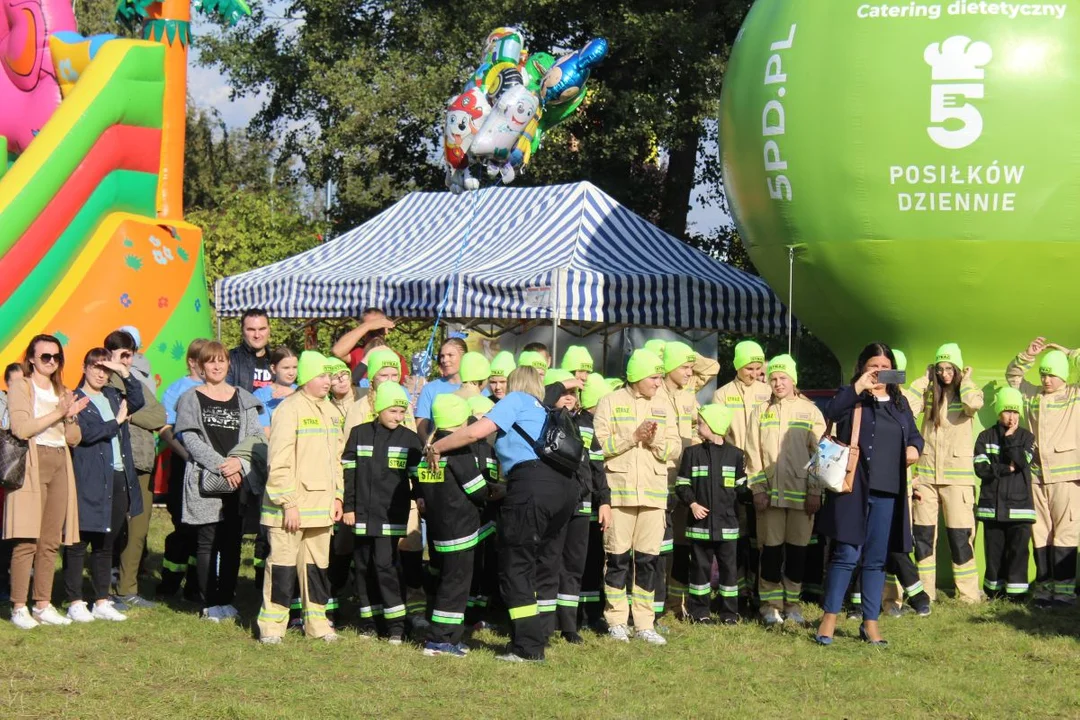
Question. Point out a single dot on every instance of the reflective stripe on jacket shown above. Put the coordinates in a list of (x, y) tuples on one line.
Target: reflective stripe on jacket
[(781, 437), (637, 474)]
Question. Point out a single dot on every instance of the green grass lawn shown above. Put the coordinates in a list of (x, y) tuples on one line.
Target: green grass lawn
[(994, 660)]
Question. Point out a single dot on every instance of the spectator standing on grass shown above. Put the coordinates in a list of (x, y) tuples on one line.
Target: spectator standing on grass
[(873, 519), (781, 438), (1054, 418), (710, 477), (211, 420), (450, 354), (944, 476), (538, 505), (249, 362), (745, 392), (303, 501), (452, 492), (142, 424), (178, 560), (1004, 456), (684, 368), (105, 478), (638, 434), (44, 512), (591, 480), (377, 459)]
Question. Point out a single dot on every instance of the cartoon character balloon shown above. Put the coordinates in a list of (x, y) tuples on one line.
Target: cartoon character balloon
[(510, 100)]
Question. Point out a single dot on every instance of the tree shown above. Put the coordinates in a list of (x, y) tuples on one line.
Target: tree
[(358, 89)]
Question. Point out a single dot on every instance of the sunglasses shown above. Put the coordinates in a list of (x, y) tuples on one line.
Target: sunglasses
[(51, 357)]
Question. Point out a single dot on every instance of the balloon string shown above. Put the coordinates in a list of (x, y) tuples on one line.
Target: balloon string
[(449, 286)]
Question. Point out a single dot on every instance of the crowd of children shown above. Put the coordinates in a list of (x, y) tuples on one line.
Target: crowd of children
[(700, 512)]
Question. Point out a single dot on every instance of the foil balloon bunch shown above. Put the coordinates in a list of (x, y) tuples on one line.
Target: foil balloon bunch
[(510, 101)]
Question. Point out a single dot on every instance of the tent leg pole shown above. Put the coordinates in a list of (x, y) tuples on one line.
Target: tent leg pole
[(554, 340)]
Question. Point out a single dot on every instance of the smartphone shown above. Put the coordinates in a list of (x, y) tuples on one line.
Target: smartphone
[(892, 377)]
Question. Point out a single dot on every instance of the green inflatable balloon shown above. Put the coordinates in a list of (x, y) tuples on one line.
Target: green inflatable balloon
[(922, 162)]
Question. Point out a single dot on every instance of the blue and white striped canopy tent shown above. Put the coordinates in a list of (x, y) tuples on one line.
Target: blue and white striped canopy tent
[(565, 252)]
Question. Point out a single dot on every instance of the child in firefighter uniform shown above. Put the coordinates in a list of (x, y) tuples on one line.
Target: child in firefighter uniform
[(591, 480), (1054, 419), (781, 438), (302, 501), (944, 476), (682, 371), (592, 577), (1004, 455), (744, 393), (710, 476), (451, 496), (384, 365), (377, 460), (637, 433)]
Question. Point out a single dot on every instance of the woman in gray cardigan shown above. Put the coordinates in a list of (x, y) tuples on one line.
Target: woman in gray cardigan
[(211, 420)]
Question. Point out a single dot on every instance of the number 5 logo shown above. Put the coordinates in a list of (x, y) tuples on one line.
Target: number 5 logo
[(956, 59)]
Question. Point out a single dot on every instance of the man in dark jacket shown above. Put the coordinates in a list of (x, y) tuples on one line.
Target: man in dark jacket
[(249, 362)]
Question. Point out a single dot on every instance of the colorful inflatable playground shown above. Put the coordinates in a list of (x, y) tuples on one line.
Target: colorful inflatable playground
[(92, 231)]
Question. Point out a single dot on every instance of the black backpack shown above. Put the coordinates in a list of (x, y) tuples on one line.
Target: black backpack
[(560, 444)]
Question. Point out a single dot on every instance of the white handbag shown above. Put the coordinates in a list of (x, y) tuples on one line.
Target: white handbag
[(834, 464)]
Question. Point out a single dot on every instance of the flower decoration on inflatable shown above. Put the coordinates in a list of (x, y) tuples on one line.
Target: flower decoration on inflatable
[(509, 102)]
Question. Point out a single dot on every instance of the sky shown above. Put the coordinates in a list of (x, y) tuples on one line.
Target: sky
[(209, 89)]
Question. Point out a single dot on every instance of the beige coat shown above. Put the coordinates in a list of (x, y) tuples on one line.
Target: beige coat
[(304, 462), (741, 399), (637, 473), (22, 507), (948, 456), (1055, 420), (781, 437)]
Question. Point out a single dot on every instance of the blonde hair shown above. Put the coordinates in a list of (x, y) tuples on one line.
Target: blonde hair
[(527, 380)]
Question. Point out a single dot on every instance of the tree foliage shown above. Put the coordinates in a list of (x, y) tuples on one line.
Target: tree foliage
[(358, 89)]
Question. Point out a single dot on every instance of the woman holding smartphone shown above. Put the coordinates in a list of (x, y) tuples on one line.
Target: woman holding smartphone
[(872, 520)]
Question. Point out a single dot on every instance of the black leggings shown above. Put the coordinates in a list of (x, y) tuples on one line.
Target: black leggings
[(101, 554), (218, 555)]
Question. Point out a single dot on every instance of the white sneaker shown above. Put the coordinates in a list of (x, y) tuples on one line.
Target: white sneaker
[(619, 633), (49, 616), (228, 612), (106, 611), (771, 617), (794, 615), (79, 613), (330, 637), (213, 614), (651, 636), (23, 620), (270, 640)]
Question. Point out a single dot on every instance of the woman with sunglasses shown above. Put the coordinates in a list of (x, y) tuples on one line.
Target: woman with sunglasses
[(105, 479), (43, 513)]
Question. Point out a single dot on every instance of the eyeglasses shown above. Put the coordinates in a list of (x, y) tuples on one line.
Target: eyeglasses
[(51, 357)]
